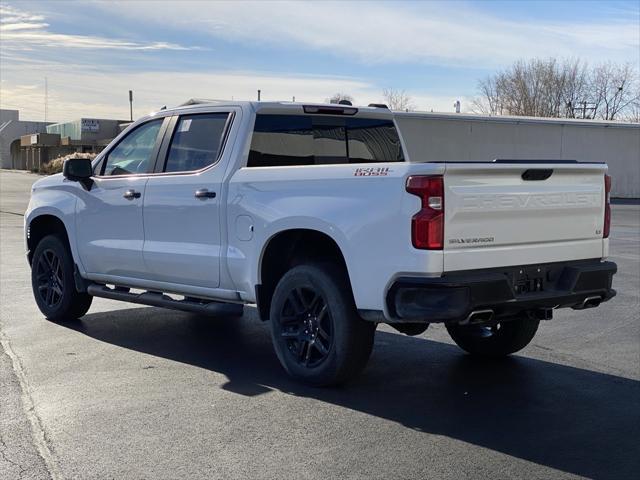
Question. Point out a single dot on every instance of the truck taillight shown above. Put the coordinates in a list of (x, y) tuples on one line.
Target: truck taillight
[(607, 206), (427, 226)]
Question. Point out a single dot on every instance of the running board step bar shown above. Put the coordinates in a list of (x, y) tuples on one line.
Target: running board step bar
[(204, 307)]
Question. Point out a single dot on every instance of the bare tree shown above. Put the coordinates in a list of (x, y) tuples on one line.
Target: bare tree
[(397, 99), (338, 97), (553, 88), (632, 113), (488, 103), (614, 89), (574, 87), (540, 88)]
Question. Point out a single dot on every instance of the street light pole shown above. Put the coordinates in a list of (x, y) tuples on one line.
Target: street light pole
[(131, 104)]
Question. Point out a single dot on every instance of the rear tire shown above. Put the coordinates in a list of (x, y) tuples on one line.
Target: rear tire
[(316, 331), (496, 341), (53, 283)]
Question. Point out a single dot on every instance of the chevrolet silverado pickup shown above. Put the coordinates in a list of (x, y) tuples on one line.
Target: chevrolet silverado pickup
[(316, 215)]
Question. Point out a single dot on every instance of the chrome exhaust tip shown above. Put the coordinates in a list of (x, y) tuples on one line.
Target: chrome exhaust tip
[(478, 316), (591, 302)]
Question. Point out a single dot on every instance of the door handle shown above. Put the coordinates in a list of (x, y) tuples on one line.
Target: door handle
[(204, 193), (131, 194)]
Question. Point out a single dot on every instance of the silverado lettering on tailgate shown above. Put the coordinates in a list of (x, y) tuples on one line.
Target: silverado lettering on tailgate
[(536, 200)]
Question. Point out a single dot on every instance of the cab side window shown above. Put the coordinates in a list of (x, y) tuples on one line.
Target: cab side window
[(287, 140), (196, 142), (133, 153), (282, 141)]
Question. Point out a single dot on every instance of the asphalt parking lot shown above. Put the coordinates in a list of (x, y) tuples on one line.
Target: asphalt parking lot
[(144, 393)]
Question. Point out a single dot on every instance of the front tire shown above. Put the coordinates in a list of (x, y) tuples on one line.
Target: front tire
[(53, 283), (316, 331), (494, 341)]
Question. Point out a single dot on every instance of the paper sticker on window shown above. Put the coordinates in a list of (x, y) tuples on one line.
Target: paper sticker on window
[(185, 125)]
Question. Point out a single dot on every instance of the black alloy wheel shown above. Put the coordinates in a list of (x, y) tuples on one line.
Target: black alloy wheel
[(53, 281), (317, 333), (50, 278), (483, 331), (496, 340), (307, 326)]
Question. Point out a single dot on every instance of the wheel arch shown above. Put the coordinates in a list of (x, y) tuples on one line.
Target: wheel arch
[(288, 248), (40, 226)]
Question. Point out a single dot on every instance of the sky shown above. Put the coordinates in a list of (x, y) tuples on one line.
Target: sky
[(92, 53)]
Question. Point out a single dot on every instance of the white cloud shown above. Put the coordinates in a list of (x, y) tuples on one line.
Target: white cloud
[(75, 93), (381, 34), (9, 14), (11, 27), (22, 30), (450, 33)]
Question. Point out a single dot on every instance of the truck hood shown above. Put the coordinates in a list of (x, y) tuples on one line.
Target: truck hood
[(49, 181)]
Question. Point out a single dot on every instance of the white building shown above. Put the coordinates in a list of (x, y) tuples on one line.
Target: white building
[(451, 137), (11, 129)]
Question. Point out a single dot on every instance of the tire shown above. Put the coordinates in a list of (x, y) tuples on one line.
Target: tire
[(316, 331), (496, 341), (53, 282)]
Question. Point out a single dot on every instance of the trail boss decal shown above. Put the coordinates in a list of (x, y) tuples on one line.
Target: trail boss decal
[(372, 172)]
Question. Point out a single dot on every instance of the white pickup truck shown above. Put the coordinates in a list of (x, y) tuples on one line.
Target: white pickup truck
[(316, 214)]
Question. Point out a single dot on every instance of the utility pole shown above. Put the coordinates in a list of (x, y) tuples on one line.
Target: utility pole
[(131, 105), (582, 108), (46, 99), (258, 95)]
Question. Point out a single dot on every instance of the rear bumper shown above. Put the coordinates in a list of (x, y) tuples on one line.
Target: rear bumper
[(506, 291)]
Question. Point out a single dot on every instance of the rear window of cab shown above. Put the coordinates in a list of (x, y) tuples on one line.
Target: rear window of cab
[(290, 140)]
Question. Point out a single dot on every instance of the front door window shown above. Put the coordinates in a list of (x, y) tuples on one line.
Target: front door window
[(134, 152)]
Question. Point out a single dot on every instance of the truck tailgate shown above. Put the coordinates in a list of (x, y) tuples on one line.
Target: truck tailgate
[(499, 214)]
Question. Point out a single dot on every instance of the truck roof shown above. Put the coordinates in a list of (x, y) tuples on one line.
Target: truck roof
[(382, 111), (263, 106)]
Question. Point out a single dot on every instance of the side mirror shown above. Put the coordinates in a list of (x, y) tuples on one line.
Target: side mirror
[(78, 170)]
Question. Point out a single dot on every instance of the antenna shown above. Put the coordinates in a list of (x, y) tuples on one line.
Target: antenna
[(46, 99)]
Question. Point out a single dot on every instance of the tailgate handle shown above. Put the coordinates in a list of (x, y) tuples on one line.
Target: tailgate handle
[(537, 173)]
